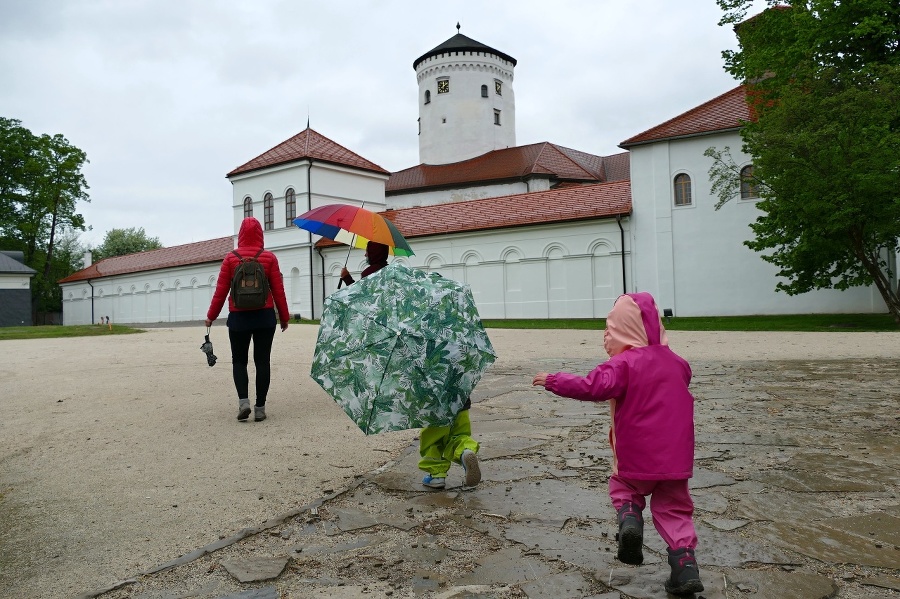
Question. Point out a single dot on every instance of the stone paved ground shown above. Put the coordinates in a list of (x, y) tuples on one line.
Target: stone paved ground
[(796, 492)]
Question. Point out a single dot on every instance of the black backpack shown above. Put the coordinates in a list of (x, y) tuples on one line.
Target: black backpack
[(249, 287)]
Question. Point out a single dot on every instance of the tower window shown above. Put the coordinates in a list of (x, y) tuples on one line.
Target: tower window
[(498, 87), (269, 212), (428, 96), (443, 86), (484, 93), (496, 117), (248, 207)]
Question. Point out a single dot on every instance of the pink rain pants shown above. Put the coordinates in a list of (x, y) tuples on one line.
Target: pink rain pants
[(670, 505)]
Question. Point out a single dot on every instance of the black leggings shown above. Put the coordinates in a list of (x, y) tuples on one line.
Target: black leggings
[(262, 351)]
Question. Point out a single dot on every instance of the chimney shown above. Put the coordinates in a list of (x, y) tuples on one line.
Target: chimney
[(87, 259)]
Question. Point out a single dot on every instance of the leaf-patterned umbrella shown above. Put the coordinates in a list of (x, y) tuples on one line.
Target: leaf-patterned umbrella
[(401, 349)]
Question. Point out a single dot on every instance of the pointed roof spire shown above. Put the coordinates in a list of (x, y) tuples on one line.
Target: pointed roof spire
[(457, 27)]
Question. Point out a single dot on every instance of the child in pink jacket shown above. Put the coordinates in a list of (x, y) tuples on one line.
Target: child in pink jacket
[(651, 433)]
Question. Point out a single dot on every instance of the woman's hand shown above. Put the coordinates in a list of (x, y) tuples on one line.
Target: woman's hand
[(345, 273), (208, 323), (539, 380)]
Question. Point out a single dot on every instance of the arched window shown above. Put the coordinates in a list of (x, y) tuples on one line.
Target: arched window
[(428, 96), (268, 212), (248, 207), (682, 190), (484, 93), (290, 207), (749, 188)]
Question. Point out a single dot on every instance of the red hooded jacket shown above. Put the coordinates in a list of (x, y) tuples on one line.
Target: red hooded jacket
[(250, 241)]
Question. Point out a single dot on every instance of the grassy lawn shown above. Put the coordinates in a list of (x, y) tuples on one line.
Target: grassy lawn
[(52, 331), (797, 322)]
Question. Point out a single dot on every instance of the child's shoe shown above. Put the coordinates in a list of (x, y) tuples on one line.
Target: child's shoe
[(471, 467), (243, 409), (259, 413), (685, 578), (630, 535), (434, 482)]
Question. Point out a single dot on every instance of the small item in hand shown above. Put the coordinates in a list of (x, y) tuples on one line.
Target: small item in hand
[(207, 349)]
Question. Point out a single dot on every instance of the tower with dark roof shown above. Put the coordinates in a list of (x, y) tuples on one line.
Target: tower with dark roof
[(467, 106)]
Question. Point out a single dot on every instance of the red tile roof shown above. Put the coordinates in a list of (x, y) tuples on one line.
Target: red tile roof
[(201, 252), (569, 203), (723, 113), (509, 164), (308, 144)]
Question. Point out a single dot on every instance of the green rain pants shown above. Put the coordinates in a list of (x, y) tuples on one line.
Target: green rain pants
[(441, 446)]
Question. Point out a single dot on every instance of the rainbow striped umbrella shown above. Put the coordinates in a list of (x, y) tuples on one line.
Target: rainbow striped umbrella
[(353, 226)]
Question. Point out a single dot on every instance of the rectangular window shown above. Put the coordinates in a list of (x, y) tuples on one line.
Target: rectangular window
[(290, 207), (496, 117), (269, 212)]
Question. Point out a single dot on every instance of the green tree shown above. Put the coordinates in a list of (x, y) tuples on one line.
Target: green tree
[(120, 242), (823, 82), (41, 183)]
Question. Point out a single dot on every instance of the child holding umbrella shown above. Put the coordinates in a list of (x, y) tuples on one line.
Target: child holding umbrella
[(439, 446)]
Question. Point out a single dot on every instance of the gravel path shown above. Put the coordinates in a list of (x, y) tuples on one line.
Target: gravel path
[(121, 453)]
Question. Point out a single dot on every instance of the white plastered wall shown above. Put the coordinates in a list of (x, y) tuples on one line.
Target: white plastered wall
[(692, 258), (549, 271)]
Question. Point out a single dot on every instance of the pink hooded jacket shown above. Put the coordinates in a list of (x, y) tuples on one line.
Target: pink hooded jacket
[(250, 241), (646, 383)]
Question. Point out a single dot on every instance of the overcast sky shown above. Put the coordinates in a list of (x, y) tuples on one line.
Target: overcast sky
[(167, 96)]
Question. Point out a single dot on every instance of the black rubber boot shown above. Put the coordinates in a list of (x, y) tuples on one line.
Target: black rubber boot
[(631, 535), (685, 578)]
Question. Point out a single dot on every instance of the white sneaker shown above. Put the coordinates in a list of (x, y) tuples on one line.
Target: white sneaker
[(434, 483), (470, 464)]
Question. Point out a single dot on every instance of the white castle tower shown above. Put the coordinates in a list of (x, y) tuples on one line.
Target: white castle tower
[(466, 102)]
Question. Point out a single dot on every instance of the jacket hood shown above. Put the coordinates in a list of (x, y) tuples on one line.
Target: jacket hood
[(251, 233), (633, 322)]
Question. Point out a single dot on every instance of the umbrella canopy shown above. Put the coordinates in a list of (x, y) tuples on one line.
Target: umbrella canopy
[(401, 349), (353, 226)]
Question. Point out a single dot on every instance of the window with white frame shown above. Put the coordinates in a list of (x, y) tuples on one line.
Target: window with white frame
[(290, 207), (682, 190), (268, 212), (248, 207), (749, 187)]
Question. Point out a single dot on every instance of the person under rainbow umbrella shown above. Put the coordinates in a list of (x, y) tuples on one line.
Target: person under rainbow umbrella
[(354, 226)]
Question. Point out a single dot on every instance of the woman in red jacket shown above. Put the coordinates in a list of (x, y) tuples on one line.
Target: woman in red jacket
[(245, 326)]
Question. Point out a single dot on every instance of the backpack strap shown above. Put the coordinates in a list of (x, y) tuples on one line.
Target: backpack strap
[(241, 258)]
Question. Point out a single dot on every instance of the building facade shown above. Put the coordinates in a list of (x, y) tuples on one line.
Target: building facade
[(537, 231)]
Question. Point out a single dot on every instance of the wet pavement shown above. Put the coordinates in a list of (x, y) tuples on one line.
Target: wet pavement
[(795, 488)]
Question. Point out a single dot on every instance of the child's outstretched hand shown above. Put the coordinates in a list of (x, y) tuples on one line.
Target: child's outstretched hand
[(539, 380)]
